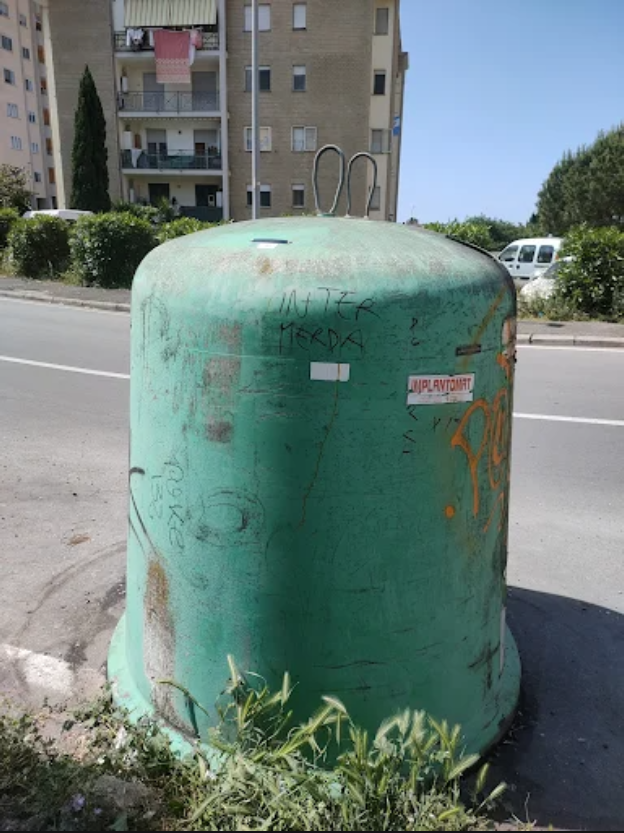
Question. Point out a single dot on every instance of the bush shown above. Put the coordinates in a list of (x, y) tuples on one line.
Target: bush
[(475, 233), (39, 247), (593, 281), (8, 218), (107, 248), (178, 228), (145, 212)]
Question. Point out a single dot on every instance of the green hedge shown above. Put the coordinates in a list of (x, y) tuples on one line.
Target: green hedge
[(178, 228), (8, 218), (39, 247), (107, 248), (593, 281)]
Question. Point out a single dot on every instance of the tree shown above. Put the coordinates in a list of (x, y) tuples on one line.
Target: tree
[(89, 154), (586, 186), (14, 190), (502, 232), (475, 233)]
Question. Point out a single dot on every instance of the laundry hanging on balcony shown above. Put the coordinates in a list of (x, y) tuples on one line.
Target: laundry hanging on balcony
[(172, 52)]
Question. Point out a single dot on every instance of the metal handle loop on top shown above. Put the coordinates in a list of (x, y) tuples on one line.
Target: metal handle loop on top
[(341, 178), (361, 155)]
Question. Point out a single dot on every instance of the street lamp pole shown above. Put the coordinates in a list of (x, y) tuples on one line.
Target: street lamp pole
[(255, 129)]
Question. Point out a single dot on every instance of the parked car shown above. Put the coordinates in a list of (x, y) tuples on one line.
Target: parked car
[(69, 214), (542, 284), (523, 258)]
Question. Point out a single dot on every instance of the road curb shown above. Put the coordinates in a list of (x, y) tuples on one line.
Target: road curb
[(537, 339), (25, 295), (543, 340)]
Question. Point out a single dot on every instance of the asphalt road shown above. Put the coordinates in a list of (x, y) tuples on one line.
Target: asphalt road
[(62, 522)]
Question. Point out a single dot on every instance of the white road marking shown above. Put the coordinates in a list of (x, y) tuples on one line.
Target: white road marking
[(65, 367), (38, 671), (618, 423)]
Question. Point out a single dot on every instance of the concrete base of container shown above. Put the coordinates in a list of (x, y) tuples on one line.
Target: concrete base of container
[(478, 738)]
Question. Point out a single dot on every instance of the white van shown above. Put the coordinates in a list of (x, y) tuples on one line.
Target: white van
[(69, 214), (523, 258)]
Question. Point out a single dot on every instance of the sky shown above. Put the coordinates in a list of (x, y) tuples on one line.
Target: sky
[(496, 92)]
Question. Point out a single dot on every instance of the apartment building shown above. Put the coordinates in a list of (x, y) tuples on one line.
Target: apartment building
[(25, 122), (175, 81)]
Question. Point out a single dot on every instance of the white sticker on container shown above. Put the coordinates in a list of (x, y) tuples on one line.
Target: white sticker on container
[(329, 372), (268, 245), (440, 390)]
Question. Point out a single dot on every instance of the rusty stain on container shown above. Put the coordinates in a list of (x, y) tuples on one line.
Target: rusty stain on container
[(219, 431)]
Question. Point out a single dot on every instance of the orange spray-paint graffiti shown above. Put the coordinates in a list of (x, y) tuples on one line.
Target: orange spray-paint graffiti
[(493, 445)]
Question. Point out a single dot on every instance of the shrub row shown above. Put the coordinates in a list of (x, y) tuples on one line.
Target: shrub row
[(592, 281), (103, 249)]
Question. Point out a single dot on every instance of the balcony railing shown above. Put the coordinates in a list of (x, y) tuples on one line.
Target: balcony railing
[(197, 102), (172, 160), (210, 41)]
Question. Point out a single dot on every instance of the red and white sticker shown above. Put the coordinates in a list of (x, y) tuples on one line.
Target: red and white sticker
[(440, 390)]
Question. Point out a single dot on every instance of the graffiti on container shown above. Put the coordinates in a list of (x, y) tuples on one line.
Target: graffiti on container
[(491, 421), (166, 493), (292, 334), (348, 305), (341, 301)]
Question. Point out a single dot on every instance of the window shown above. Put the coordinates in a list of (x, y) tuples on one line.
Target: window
[(382, 21), (37, 176), (264, 18), (264, 74), (51, 176), (7, 43), (298, 196), (9, 76), (265, 196), (265, 139), (49, 147), (376, 201), (12, 111), (25, 53), (32, 118), (379, 83), (4, 10), (527, 253), (299, 15), (46, 117), (23, 21), (44, 86), (303, 139), (299, 79), (508, 254), (16, 143), (38, 22), (545, 254), (34, 147), (28, 84), (41, 54), (380, 141)]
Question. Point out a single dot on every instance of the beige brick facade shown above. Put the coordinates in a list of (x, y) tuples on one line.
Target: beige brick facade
[(338, 47), (336, 51), (77, 33)]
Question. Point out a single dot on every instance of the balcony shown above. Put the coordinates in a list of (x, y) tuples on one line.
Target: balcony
[(168, 103), (172, 160), (210, 43)]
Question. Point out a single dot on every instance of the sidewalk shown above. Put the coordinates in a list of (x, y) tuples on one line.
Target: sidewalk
[(530, 331)]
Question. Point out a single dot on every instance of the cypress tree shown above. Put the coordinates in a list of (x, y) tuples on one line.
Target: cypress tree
[(89, 154)]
